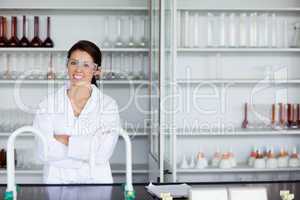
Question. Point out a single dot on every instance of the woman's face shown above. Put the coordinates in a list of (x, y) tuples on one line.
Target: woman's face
[(81, 68)]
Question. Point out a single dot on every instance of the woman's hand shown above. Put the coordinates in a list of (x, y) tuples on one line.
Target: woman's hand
[(64, 139)]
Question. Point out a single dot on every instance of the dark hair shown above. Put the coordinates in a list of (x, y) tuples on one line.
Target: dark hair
[(92, 49)]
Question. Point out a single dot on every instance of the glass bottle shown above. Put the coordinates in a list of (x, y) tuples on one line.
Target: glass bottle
[(7, 74), (48, 41), (24, 42), (222, 29), (296, 36), (3, 32), (273, 120), (282, 115), (289, 115), (298, 115), (13, 41), (36, 41), (143, 42), (294, 116), (244, 33), (106, 42), (2, 152), (245, 122), (51, 74), (131, 24), (119, 42)]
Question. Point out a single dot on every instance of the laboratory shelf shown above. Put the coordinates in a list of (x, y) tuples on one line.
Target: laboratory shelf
[(238, 81), (237, 50), (242, 167), (113, 82), (75, 8), (238, 132), (116, 169), (245, 9), (29, 135), (58, 50)]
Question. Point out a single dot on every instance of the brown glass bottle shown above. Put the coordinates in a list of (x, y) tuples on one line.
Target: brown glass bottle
[(3, 158), (3, 32), (298, 115), (245, 122), (273, 119), (36, 41), (24, 42), (289, 114), (13, 41), (48, 41)]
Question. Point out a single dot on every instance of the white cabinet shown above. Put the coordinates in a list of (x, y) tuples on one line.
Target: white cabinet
[(103, 22), (214, 72)]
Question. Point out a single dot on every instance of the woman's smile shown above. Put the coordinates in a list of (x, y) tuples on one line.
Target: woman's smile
[(78, 76)]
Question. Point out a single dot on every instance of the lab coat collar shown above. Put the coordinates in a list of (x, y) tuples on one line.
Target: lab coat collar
[(59, 103), (92, 103)]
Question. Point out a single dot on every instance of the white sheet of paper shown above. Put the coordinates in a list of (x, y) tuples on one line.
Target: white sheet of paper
[(208, 193), (177, 191), (247, 193)]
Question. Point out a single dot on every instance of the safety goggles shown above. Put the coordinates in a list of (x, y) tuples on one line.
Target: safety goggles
[(80, 63)]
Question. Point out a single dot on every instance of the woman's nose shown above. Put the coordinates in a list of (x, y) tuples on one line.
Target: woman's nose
[(78, 68)]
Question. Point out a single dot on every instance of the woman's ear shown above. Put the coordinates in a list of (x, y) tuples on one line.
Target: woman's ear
[(97, 72)]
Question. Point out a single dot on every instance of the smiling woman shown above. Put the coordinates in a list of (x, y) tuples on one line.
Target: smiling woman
[(84, 59), (76, 116)]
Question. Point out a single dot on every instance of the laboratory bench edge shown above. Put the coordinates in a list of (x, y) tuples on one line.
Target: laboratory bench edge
[(115, 191)]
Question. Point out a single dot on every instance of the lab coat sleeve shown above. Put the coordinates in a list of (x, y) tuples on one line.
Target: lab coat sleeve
[(57, 152), (105, 139)]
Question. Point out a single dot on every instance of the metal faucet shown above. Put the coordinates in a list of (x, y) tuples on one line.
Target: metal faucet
[(11, 191), (129, 193)]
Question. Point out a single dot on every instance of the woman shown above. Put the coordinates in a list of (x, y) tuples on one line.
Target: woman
[(78, 121)]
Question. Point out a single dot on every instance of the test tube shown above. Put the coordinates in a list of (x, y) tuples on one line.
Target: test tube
[(274, 31), (232, 30), (186, 29), (210, 33), (243, 30), (222, 30), (253, 30)]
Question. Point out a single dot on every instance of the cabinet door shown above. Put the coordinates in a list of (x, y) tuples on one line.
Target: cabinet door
[(161, 87), (167, 100), (155, 53)]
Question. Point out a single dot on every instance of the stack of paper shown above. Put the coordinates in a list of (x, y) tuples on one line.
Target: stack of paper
[(176, 191)]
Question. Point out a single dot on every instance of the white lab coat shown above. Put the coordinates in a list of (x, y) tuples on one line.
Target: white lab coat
[(99, 122)]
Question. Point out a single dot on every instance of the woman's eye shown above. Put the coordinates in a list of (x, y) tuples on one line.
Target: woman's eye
[(86, 65), (73, 62)]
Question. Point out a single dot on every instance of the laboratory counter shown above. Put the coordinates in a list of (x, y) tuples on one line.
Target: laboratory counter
[(115, 191)]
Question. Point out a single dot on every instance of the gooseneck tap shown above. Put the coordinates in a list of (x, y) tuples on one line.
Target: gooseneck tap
[(129, 193), (11, 191)]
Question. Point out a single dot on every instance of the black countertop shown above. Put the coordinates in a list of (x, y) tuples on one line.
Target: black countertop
[(115, 191)]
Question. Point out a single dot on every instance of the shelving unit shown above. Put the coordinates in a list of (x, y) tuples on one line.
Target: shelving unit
[(237, 50), (70, 22), (65, 50), (241, 167), (48, 9), (28, 176), (29, 135), (237, 132), (241, 9), (105, 82), (116, 169), (204, 88), (237, 81)]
